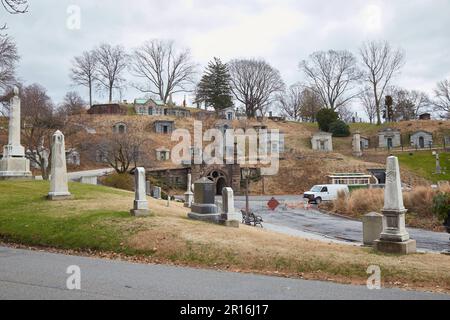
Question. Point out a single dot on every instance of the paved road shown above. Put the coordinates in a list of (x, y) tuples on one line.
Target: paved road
[(39, 275), (76, 176), (333, 227)]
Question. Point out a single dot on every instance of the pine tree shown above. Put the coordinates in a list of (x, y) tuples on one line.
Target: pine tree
[(214, 88)]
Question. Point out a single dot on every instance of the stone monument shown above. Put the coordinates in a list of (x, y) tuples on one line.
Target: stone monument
[(372, 227), (229, 215), (157, 193), (357, 144), (395, 237), (188, 195), (204, 207), (59, 188), (14, 165), (140, 208)]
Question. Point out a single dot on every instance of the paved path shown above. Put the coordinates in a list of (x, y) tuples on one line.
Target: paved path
[(73, 176), (328, 226), (76, 176), (38, 275)]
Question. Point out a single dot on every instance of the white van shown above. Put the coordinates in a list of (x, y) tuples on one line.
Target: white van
[(325, 192)]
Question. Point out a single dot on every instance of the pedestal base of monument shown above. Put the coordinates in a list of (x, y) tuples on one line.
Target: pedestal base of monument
[(59, 196), (206, 217), (140, 213), (140, 209), (229, 223), (405, 247), (188, 199), (15, 169)]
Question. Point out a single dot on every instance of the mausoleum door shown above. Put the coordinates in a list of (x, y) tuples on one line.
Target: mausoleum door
[(421, 142)]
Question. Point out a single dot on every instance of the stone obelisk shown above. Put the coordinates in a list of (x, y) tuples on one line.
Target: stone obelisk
[(59, 188), (140, 208), (188, 195), (395, 237), (14, 165)]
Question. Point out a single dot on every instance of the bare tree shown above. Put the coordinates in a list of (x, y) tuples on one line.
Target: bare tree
[(381, 64), (112, 62), (119, 150), (332, 75), (39, 124), (255, 84), (14, 7), (300, 103), (164, 69), (84, 71), (73, 104), (368, 102), (408, 104), (8, 60), (291, 102), (441, 99)]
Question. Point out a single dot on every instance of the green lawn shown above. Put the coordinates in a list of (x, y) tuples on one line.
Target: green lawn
[(26, 216), (423, 163), (97, 220)]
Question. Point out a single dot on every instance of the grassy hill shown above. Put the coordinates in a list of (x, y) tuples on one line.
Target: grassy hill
[(301, 167)]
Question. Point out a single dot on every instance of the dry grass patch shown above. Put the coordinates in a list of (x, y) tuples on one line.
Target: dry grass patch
[(419, 203)]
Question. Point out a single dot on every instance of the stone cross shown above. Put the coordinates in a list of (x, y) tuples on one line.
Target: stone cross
[(395, 237), (59, 188), (140, 208), (229, 212), (188, 195), (14, 164), (357, 145)]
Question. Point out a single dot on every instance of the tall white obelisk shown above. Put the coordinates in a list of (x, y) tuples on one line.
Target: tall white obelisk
[(14, 165)]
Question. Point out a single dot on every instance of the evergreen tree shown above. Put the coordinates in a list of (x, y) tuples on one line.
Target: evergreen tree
[(214, 88)]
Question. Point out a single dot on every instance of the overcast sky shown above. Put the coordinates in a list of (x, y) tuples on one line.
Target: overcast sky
[(283, 32)]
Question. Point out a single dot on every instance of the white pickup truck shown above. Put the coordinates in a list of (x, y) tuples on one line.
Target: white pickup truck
[(325, 192)]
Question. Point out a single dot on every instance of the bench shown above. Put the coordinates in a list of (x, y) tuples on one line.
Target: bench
[(253, 219)]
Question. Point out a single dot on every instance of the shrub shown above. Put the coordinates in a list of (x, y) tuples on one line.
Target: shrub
[(123, 181), (441, 206), (339, 129), (325, 117)]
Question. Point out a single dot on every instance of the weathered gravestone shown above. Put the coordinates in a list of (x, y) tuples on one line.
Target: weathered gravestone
[(395, 237), (229, 215), (14, 165), (357, 145), (59, 188), (188, 195), (204, 207), (372, 227), (89, 180), (157, 193), (140, 208)]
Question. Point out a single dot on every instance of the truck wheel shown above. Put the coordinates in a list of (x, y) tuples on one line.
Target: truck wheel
[(318, 201)]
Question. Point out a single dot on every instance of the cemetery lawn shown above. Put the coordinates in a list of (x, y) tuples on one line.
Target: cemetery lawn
[(97, 222), (423, 163)]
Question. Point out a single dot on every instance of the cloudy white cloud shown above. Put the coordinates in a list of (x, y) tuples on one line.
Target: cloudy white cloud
[(283, 32)]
